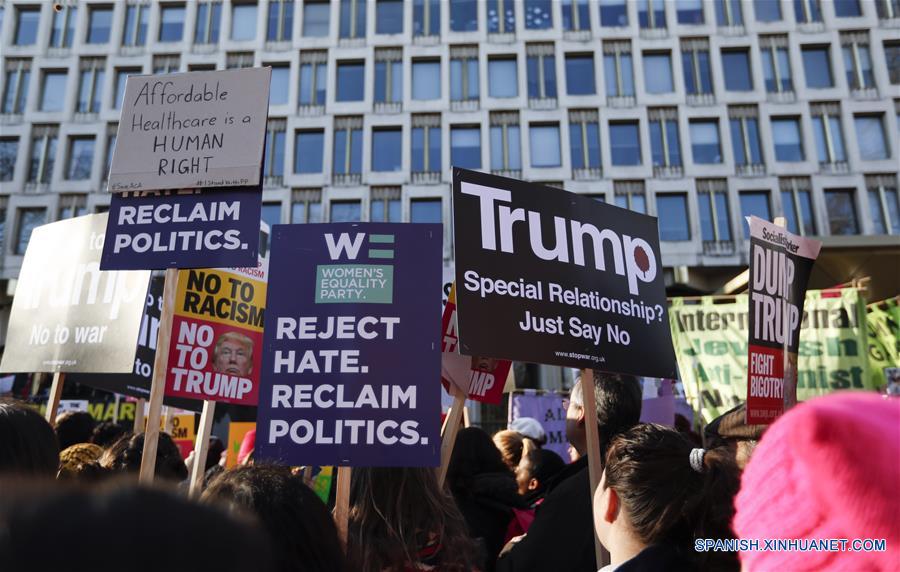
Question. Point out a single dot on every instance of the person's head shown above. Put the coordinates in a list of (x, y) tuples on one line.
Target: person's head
[(618, 399), (731, 432), (657, 488), (233, 354), (126, 453), (80, 462), (28, 445), (396, 513), (531, 428), (107, 433), (214, 453), (474, 453), (73, 427), (536, 468), (303, 534), (509, 443), (117, 527), (848, 444)]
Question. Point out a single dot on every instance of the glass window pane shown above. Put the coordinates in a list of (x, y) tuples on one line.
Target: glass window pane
[(346, 211), (243, 22), (787, 140), (315, 19), (9, 149), (658, 73), (271, 213), (81, 157), (417, 147), (625, 144), (690, 11), (545, 146), (29, 219), (847, 8), (538, 14), (426, 80), (841, 212), (875, 212), (426, 17), (350, 82), (308, 148), (817, 66), (705, 142), (53, 94), (279, 85), (434, 149), (465, 147), (99, 25), (501, 23), (613, 13), (171, 23), (389, 17), (463, 15), (580, 75), (27, 26), (736, 66), (502, 78), (671, 209), (754, 204), (767, 10), (386, 144), (425, 210), (870, 138)]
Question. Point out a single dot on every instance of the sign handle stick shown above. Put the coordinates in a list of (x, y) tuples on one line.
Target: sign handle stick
[(593, 446), (167, 415), (465, 416), (59, 379), (342, 503), (201, 448), (139, 415), (158, 384), (789, 381), (449, 431), (116, 412)]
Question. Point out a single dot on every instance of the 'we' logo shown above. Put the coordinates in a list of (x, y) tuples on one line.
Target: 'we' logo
[(351, 246)]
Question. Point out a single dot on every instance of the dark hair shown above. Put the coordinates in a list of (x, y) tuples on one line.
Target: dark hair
[(107, 433), (396, 513), (214, 452), (126, 453), (474, 453), (540, 464), (618, 398), (666, 499), (28, 444), (74, 427), (302, 531), (135, 525)]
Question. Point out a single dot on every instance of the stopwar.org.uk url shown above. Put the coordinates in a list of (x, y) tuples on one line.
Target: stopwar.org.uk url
[(576, 355), (790, 545)]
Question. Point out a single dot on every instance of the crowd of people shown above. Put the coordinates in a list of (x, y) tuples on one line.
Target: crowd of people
[(828, 468)]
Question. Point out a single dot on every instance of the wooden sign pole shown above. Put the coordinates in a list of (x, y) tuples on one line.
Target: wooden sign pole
[(449, 431), (595, 466), (167, 415), (158, 384), (201, 448), (342, 503), (59, 379), (139, 415)]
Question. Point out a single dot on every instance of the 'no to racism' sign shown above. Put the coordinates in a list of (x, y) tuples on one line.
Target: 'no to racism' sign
[(547, 276), (352, 355)]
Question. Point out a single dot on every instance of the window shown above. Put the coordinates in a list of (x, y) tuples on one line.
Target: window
[(90, 85), (53, 90), (847, 8), (121, 78), (541, 66), (350, 81), (584, 139), (464, 73), (503, 77), (625, 143), (665, 144), (426, 143), (705, 146), (506, 151), (826, 122), (171, 63), (689, 11), (658, 73), (389, 17), (870, 138), (807, 11), (767, 10), (465, 147), (313, 81), (209, 15), (426, 17), (243, 22), (652, 14), (884, 203), (671, 209), (538, 14), (857, 61), (135, 32), (316, 16), (308, 151), (754, 203), (736, 66), (887, 9), (817, 67), (630, 195), (463, 15), (353, 19), (27, 20), (613, 13), (617, 69), (111, 134), (712, 200), (279, 85), (306, 206), (9, 150), (841, 207), (388, 75), (426, 79), (501, 17), (796, 204), (425, 210), (728, 13), (776, 64), (576, 15), (892, 59), (545, 146), (15, 91), (71, 206), (346, 211), (280, 23), (271, 213), (386, 205), (745, 135), (695, 63), (580, 74), (99, 24), (386, 149), (171, 23), (29, 219), (273, 166), (787, 139), (63, 29), (348, 141)]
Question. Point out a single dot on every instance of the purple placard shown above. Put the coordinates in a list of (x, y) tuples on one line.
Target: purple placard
[(351, 354), (155, 230), (658, 405)]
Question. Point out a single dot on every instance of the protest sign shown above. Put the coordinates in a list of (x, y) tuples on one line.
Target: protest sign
[(351, 352), (710, 337), (552, 277), (658, 404), (191, 130), (236, 432), (67, 315), (883, 323), (780, 265), (549, 409)]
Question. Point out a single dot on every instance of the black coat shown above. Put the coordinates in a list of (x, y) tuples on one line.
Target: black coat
[(486, 502), (658, 558)]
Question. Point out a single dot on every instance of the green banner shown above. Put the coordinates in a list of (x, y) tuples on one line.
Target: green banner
[(710, 340), (884, 341)]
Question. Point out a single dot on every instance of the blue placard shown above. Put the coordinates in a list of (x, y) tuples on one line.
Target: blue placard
[(155, 230), (351, 353)]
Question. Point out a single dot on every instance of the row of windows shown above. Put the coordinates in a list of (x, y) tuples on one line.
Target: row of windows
[(501, 17)]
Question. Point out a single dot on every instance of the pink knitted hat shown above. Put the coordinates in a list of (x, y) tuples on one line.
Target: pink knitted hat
[(829, 468)]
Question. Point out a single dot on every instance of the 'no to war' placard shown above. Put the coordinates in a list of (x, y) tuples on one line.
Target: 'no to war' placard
[(352, 353)]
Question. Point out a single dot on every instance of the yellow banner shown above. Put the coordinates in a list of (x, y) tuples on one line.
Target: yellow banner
[(222, 297)]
